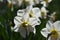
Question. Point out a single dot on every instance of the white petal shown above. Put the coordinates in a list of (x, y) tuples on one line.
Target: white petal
[(31, 2), (34, 31), (43, 9), (17, 20), (49, 1), (26, 17), (23, 32), (37, 1), (34, 21), (49, 38), (9, 1), (20, 12), (28, 8), (36, 12), (49, 24), (19, 2), (15, 28), (44, 3), (57, 25), (45, 32)]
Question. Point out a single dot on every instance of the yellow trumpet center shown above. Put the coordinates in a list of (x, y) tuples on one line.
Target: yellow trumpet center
[(9, 5), (24, 23), (54, 34), (34, 1), (30, 14), (42, 13), (46, 1), (23, 1)]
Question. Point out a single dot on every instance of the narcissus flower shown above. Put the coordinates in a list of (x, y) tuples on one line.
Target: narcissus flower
[(45, 2), (24, 24), (43, 13), (33, 12), (53, 16), (36, 12), (52, 32)]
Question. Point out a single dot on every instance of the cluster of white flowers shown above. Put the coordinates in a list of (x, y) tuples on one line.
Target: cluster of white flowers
[(27, 2), (28, 18)]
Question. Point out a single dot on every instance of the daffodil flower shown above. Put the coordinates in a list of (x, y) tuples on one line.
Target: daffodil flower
[(52, 32), (11, 3), (53, 16), (24, 24), (36, 12), (33, 12), (15, 2), (43, 13), (36, 1), (33, 2), (21, 12), (45, 2)]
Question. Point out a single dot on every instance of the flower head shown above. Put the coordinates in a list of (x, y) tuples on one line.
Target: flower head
[(45, 2), (52, 32), (43, 13), (24, 24)]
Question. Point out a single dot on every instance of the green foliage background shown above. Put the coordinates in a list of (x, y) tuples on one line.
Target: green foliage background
[(7, 17)]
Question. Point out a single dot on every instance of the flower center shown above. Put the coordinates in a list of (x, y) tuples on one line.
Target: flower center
[(30, 14), (42, 13), (54, 34), (24, 25), (46, 1), (34, 1), (23, 1), (9, 5)]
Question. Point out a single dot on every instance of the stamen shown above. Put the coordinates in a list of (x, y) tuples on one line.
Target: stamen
[(30, 14), (24, 24), (9, 5), (46, 1), (53, 34), (42, 13)]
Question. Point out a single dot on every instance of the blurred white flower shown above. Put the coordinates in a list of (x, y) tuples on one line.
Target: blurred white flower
[(15, 2), (36, 12), (52, 32), (45, 2), (36, 1), (52, 16), (43, 13), (24, 24), (33, 12)]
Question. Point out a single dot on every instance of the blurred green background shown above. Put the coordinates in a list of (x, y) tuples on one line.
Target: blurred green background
[(7, 17)]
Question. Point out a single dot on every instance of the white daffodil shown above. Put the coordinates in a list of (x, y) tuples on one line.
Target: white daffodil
[(24, 24), (45, 2), (43, 13), (53, 16), (14, 2), (36, 12), (33, 2), (33, 12), (20, 13), (52, 32), (36, 1)]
